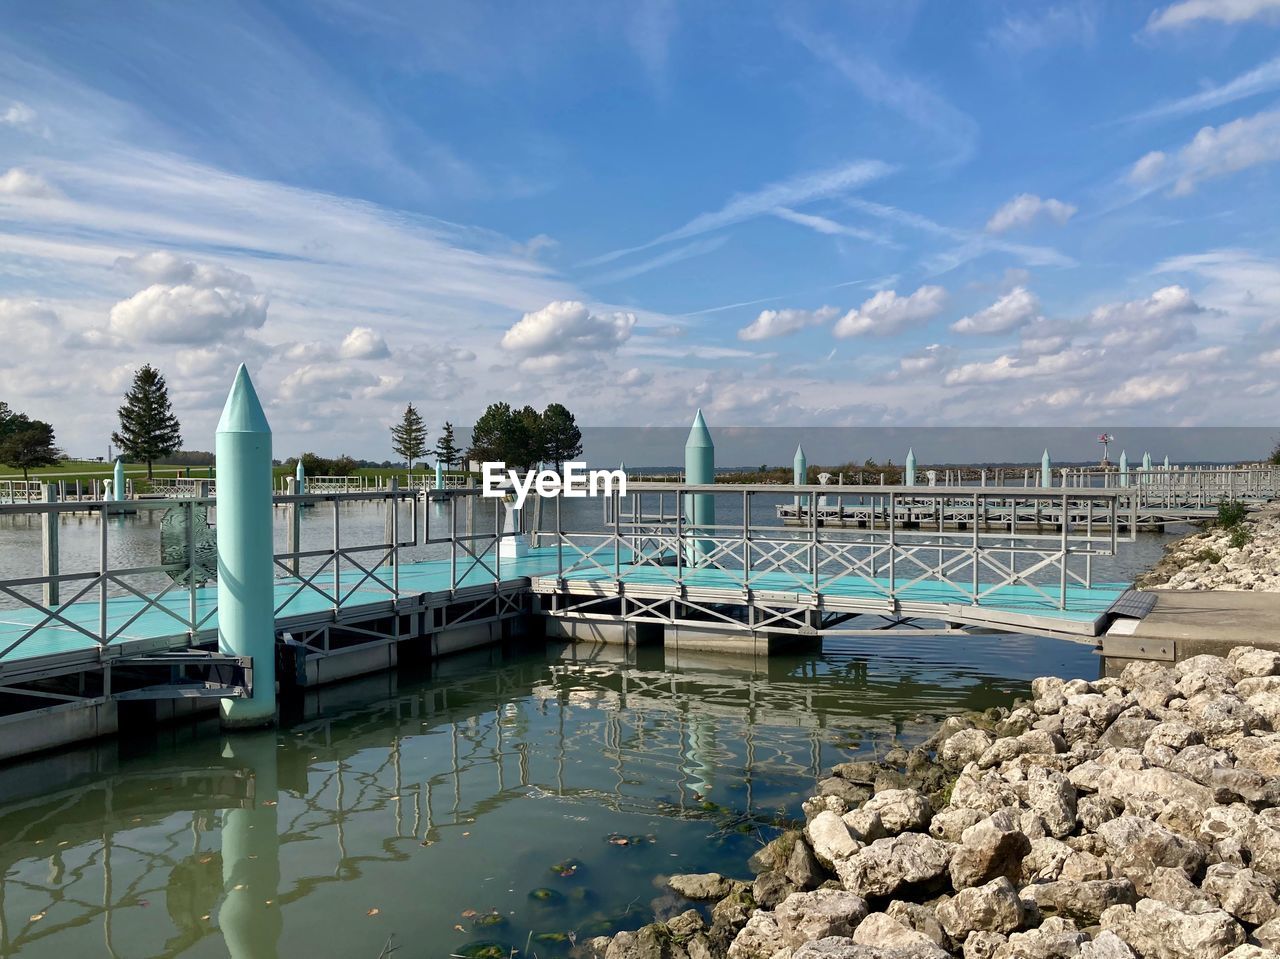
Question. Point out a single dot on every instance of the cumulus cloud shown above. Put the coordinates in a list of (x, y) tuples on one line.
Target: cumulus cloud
[(166, 268), (928, 360), (187, 314), (1154, 323), (1025, 208), (326, 382), (771, 323), (1186, 12), (1009, 367), (29, 327), (635, 377), (363, 343), (1015, 309), (564, 334), (20, 182), (1213, 152), (1147, 389), (887, 313)]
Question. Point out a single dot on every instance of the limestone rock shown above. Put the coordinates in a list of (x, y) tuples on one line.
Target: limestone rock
[(950, 823), (964, 747), (701, 885), (983, 945), (994, 907), (803, 868), (803, 916), (993, 847), (1246, 894), (1156, 930), (885, 932), (1082, 902), (887, 865), (1137, 846), (1106, 945), (900, 810), (1249, 661), (760, 938), (830, 839)]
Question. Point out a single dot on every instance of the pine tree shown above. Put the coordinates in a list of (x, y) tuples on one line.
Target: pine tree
[(446, 449), (490, 437), (148, 428), (409, 436), (560, 434)]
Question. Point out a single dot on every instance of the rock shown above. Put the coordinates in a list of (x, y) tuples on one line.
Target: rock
[(686, 924), (839, 947), (1176, 735), (1262, 839), (775, 854), (964, 747), (900, 810), (1256, 685), (729, 916), (1224, 822), (803, 868), (1128, 732), (862, 772), (1259, 752), (1172, 886), (701, 885), (1106, 945), (1237, 783), (865, 825), (1249, 951), (1246, 894), (1249, 661), (1137, 846), (994, 907), (1093, 811), (923, 919), (885, 932), (1083, 866), (950, 823), (1223, 718), (1047, 942), (1052, 797), (993, 847), (770, 888), (815, 805), (1156, 930), (1082, 902), (1268, 934), (803, 916), (830, 839), (649, 942), (853, 794), (983, 945), (1041, 742), (760, 938), (1045, 860), (887, 865)]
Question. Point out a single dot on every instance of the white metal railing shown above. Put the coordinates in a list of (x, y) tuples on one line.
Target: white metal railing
[(889, 559)]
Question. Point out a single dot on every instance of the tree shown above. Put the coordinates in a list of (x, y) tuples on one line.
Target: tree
[(409, 436), (560, 434), (529, 445), (148, 428), (490, 437), (446, 450), (27, 443)]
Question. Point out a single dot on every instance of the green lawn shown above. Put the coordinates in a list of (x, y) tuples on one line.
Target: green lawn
[(88, 470)]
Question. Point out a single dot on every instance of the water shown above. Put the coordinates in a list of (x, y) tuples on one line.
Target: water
[(414, 810)]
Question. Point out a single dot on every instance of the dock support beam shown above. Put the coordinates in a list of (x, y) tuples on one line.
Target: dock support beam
[(699, 469), (246, 601)]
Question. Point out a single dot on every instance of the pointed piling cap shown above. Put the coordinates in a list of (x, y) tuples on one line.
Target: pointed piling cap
[(1124, 459), (699, 435), (799, 457), (911, 455), (243, 412), (300, 472), (1044, 457)]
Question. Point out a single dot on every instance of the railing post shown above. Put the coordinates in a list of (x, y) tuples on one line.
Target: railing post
[(49, 546), (292, 526)]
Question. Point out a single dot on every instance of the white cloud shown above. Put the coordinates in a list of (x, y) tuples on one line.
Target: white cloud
[(1129, 323), (166, 268), (1147, 389), (187, 314), (635, 377), (1261, 79), (785, 193), (20, 182), (30, 329), (314, 382), (1187, 12), (565, 334), (18, 114), (362, 343), (887, 313), (535, 246), (1015, 309), (1023, 209), (1007, 367), (927, 360), (1025, 32), (771, 323), (1234, 146), (1148, 167), (829, 227)]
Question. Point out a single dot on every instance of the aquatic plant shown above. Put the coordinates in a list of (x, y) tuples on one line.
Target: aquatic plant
[(546, 896), (1230, 514)]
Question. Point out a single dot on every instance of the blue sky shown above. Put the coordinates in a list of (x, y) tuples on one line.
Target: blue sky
[(819, 214)]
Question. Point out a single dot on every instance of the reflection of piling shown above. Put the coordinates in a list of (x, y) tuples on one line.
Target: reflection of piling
[(699, 469), (246, 598), (250, 918)]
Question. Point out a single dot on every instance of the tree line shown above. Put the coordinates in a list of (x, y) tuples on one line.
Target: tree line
[(521, 438)]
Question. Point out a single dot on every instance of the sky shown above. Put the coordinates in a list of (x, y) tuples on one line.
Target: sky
[(803, 214)]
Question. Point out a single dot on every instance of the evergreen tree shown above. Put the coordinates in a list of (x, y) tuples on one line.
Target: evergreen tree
[(446, 450), (491, 436), (560, 434), (409, 436), (148, 428), (529, 445), (25, 443)]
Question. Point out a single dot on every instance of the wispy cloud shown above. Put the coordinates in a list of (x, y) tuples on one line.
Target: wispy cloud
[(674, 255), (1029, 30), (954, 129), (1261, 79), (829, 227), (746, 206), (1186, 12)]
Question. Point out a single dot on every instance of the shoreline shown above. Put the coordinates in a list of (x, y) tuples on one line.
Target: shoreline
[(1132, 817), (1210, 558)]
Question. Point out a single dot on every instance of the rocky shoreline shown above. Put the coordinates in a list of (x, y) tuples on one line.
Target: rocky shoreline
[(1243, 557), (1126, 818)]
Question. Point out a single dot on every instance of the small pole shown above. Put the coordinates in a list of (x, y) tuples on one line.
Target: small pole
[(49, 545), (909, 477), (293, 524), (118, 484)]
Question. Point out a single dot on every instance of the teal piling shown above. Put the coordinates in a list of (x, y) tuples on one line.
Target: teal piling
[(117, 482), (439, 475), (699, 469), (1166, 463), (1124, 468), (250, 917), (800, 474), (909, 478), (246, 600), (300, 479), (1046, 470), (1146, 467)]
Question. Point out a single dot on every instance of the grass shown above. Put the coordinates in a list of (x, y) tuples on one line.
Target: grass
[(1231, 514), (1240, 537), (88, 470), (1209, 555)]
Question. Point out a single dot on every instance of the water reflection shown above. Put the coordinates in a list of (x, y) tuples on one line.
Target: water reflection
[(529, 799)]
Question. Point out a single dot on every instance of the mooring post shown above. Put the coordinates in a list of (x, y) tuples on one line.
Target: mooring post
[(391, 519), (49, 545), (293, 524), (300, 478), (1124, 469), (439, 475), (800, 476), (246, 598), (699, 469), (117, 485), (1046, 470), (909, 478), (1146, 468)]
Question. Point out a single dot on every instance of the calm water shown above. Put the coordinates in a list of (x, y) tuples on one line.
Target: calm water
[(547, 790)]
